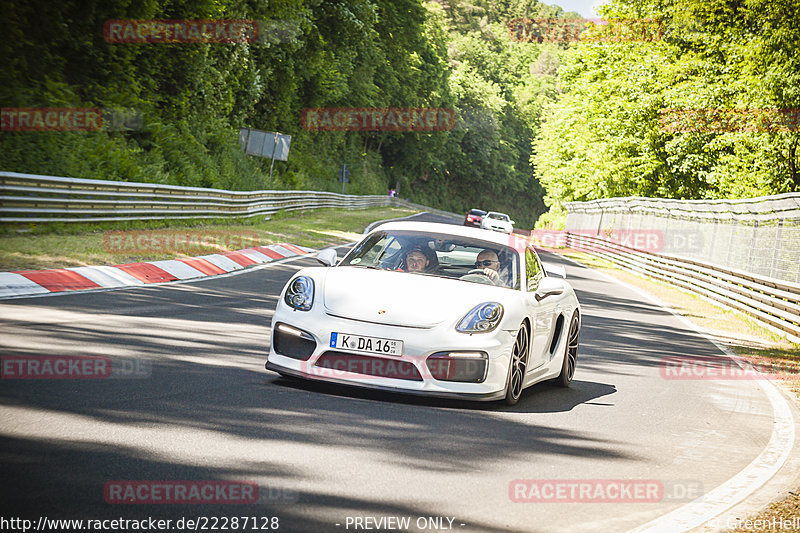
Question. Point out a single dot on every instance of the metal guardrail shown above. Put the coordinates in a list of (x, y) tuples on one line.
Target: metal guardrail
[(772, 302), (33, 198)]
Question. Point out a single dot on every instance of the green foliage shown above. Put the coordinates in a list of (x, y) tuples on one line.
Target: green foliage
[(353, 53), (555, 219), (577, 120), (606, 134)]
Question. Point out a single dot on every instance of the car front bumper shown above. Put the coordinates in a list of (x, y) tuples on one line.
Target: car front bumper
[(418, 345), (485, 397), (503, 229)]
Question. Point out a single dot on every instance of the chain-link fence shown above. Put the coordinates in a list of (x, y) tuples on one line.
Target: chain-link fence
[(758, 235)]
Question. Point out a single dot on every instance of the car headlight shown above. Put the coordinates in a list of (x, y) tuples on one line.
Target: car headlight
[(300, 294), (481, 319)]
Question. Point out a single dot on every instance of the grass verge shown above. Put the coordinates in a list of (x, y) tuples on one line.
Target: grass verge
[(109, 245), (744, 337)]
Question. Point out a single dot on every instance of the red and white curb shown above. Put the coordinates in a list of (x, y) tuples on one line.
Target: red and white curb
[(34, 282)]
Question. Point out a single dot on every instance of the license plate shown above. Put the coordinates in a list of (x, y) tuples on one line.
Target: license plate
[(358, 343)]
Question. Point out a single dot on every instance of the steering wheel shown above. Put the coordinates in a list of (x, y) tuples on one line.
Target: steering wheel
[(477, 275)]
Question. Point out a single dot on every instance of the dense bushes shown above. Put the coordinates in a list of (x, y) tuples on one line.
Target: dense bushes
[(194, 98), (580, 118)]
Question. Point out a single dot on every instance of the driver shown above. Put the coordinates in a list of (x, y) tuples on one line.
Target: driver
[(489, 263)]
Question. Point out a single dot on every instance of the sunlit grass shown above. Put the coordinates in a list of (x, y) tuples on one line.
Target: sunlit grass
[(88, 245), (739, 332)]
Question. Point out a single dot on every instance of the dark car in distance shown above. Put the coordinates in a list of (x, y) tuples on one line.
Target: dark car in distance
[(474, 217)]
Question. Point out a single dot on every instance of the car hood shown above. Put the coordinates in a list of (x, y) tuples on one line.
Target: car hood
[(401, 299)]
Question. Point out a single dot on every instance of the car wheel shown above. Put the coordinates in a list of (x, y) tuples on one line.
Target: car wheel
[(570, 353), (517, 366)]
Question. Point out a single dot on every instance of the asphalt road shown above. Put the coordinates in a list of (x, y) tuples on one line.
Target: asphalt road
[(199, 405)]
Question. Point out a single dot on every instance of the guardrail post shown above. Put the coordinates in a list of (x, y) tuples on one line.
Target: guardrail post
[(753, 243), (730, 241), (600, 222), (776, 248)]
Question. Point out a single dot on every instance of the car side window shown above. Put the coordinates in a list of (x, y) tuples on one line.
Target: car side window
[(533, 270)]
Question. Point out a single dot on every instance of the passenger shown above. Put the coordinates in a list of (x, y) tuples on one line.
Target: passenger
[(418, 259)]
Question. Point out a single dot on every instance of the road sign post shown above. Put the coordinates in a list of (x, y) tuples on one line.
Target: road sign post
[(272, 164), (344, 175), (265, 144)]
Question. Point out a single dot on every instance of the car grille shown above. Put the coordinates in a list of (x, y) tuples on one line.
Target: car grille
[(369, 366)]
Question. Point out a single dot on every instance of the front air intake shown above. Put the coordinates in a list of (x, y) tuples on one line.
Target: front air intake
[(292, 342)]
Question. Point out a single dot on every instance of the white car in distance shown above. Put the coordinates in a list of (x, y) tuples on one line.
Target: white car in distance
[(497, 222)]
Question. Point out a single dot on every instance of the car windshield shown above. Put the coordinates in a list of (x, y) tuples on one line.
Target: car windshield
[(498, 216), (436, 254)]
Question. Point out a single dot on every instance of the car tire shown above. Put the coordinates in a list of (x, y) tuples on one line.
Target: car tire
[(517, 366), (570, 352)]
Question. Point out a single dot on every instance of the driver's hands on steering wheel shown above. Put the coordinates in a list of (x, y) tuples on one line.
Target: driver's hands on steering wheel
[(491, 274)]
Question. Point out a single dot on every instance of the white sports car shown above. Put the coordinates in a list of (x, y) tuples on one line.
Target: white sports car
[(432, 309), (497, 222)]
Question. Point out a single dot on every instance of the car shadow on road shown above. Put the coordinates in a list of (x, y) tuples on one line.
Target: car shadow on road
[(540, 398), (549, 398)]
